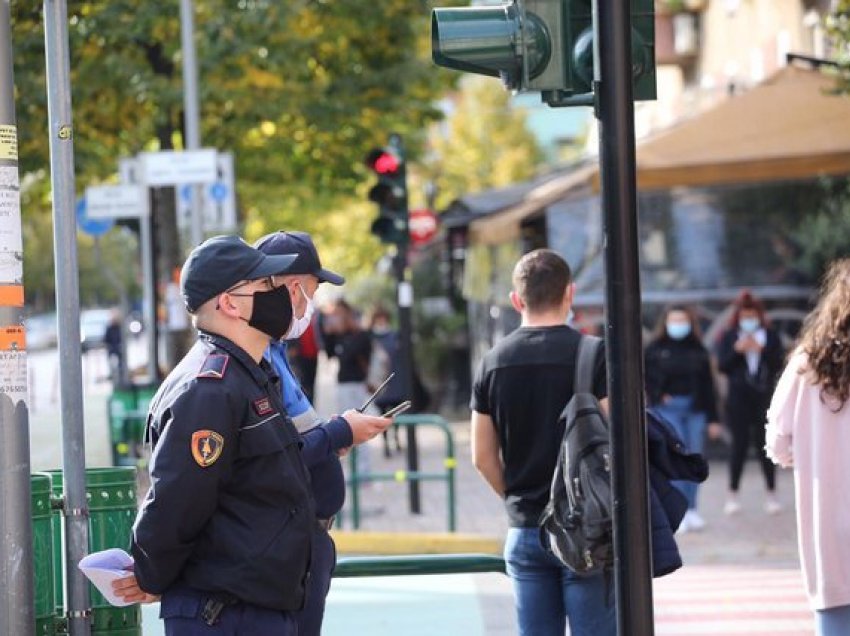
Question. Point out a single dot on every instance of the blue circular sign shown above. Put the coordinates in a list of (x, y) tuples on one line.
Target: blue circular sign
[(218, 191), (93, 227)]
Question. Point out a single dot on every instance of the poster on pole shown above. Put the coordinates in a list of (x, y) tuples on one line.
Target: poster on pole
[(11, 245), (13, 375)]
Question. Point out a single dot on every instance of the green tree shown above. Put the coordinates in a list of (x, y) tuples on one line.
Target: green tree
[(486, 143), (297, 90), (838, 31)]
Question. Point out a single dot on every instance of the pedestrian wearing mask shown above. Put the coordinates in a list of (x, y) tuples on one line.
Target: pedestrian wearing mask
[(226, 529), (808, 429), (750, 354), (323, 439), (680, 385)]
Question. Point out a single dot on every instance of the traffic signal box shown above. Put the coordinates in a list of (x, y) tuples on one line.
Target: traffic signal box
[(390, 192), (539, 45)]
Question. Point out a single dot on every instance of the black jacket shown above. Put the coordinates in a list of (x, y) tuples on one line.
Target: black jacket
[(680, 367), (668, 461), (229, 510), (744, 386)]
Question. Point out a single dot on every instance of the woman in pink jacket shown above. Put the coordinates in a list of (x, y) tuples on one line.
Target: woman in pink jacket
[(808, 428)]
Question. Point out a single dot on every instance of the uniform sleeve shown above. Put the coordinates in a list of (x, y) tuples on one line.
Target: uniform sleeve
[(185, 485), (320, 442), (781, 414)]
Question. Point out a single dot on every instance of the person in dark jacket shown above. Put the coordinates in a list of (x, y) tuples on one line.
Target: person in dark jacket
[(225, 532), (326, 476), (751, 356), (680, 385)]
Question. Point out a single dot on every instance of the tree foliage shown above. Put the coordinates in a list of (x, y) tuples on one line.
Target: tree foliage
[(838, 31), (298, 90), (486, 143)]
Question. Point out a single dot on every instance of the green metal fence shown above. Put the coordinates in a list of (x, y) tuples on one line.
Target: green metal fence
[(127, 409), (356, 478), (418, 564)]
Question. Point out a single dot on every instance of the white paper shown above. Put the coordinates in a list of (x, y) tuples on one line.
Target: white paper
[(104, 567)]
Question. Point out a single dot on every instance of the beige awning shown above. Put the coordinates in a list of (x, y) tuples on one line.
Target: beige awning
[(788, 127)]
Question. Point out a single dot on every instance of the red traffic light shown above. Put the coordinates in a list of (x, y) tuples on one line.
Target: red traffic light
[(383, 161)]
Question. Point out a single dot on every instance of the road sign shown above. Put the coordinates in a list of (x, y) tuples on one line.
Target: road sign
[(177, 167), (93, 227), (423, 226), (116, 202), (218, 199)]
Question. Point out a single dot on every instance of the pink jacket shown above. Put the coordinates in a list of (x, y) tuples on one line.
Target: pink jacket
[(802, 432)]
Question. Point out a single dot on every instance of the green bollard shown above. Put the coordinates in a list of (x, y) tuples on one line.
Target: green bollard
[(42, 535), (111, 494)]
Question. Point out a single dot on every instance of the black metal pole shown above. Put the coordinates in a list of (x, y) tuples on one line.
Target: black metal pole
[(633, 557)]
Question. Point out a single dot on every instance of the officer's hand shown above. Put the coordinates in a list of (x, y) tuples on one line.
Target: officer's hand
[(128, 589), (365, 427)]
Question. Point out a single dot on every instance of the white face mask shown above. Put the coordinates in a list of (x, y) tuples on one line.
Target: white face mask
[(299, 325)]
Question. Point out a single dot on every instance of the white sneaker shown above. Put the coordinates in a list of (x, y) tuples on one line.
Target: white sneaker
[(695, 521), (684, 524), (772, 507), (732, 507)]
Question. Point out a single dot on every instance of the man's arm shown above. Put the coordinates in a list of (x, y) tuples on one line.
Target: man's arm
[(486, 452)]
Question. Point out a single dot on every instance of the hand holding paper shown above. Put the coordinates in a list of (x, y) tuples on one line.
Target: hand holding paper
[(111, 572)]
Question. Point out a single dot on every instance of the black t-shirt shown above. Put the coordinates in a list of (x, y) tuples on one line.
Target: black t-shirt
[(523, 384), (353, 350)]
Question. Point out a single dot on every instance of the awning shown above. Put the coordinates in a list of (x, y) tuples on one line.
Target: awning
[(788, 127)]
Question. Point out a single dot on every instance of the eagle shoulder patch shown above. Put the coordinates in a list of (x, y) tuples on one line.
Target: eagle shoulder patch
[(206, 447)]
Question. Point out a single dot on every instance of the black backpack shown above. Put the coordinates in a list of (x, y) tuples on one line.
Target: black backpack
[(577, 523)]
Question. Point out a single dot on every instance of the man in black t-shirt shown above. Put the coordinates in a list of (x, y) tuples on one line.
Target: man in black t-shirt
[(523, 384)]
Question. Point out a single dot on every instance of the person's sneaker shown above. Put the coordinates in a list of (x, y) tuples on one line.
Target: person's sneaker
[(684, 526), (695, 521), (772, 507), (732, 507)]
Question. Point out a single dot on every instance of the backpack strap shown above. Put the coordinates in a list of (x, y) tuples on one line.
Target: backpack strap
[(588, 350)]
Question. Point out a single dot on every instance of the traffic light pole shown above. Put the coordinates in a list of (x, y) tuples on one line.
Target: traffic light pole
[(624, 353)]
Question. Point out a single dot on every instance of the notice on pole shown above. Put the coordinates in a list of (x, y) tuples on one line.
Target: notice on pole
[(13, 375), (11, 246), (8, 142)]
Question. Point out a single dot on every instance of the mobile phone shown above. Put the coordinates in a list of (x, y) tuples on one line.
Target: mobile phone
[(375, 394), (398, 409)]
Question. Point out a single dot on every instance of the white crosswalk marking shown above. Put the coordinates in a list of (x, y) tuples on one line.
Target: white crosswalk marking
[(721, 600)]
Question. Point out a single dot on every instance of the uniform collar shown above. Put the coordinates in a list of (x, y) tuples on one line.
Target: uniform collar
[(262, 373)]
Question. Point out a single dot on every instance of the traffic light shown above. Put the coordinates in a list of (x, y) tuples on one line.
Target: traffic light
[(539, 45), (390, 192)]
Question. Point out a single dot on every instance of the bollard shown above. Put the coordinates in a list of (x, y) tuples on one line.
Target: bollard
[(111, 495), (43, 555)]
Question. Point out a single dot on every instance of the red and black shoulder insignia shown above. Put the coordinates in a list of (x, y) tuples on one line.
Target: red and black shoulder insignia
[(214, 366)]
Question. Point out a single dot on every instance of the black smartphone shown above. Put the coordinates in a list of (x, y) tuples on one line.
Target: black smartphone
[(398, 409)]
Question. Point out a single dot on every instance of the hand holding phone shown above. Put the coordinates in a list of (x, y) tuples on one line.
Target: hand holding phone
[(398, 409)]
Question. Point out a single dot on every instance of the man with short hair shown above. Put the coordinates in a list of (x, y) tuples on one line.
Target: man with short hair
[(322, 439), (519, 392), (225, 531)]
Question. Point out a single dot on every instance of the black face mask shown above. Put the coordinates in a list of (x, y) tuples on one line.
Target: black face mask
[(272, 313)]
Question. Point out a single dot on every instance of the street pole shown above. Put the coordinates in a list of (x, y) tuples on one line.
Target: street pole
[(149, 286), (60, 130), (17, 584), (624, 352), (191, 116)]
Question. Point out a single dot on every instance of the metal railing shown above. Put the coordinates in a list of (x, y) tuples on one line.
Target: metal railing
[(356, 478), (416, 564)]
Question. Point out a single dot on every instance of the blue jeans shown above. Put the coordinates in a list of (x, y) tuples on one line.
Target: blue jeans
[(690, 425), (547, 594), (834, 621)]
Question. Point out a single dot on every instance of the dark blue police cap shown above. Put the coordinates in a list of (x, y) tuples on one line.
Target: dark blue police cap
[(220, 262), (308, 258)]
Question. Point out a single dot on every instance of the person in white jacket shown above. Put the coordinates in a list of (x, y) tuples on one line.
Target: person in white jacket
[(808, 428)]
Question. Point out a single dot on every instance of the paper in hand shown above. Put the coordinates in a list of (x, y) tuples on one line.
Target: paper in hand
[(106, 566)]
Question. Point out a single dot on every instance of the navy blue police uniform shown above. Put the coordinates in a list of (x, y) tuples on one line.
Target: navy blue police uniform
[(225, 532)]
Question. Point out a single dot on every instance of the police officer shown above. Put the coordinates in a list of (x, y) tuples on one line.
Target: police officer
[(302, 279), (225, 531)]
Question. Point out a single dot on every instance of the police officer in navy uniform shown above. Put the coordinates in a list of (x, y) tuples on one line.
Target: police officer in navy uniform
[(302, 279), (225, 532)]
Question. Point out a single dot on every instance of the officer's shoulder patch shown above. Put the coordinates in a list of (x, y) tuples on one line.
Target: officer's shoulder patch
[(206, 447), (214, 366)]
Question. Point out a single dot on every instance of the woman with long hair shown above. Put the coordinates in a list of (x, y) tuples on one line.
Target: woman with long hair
[(808, 428), (750, 355), (680, 385)]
